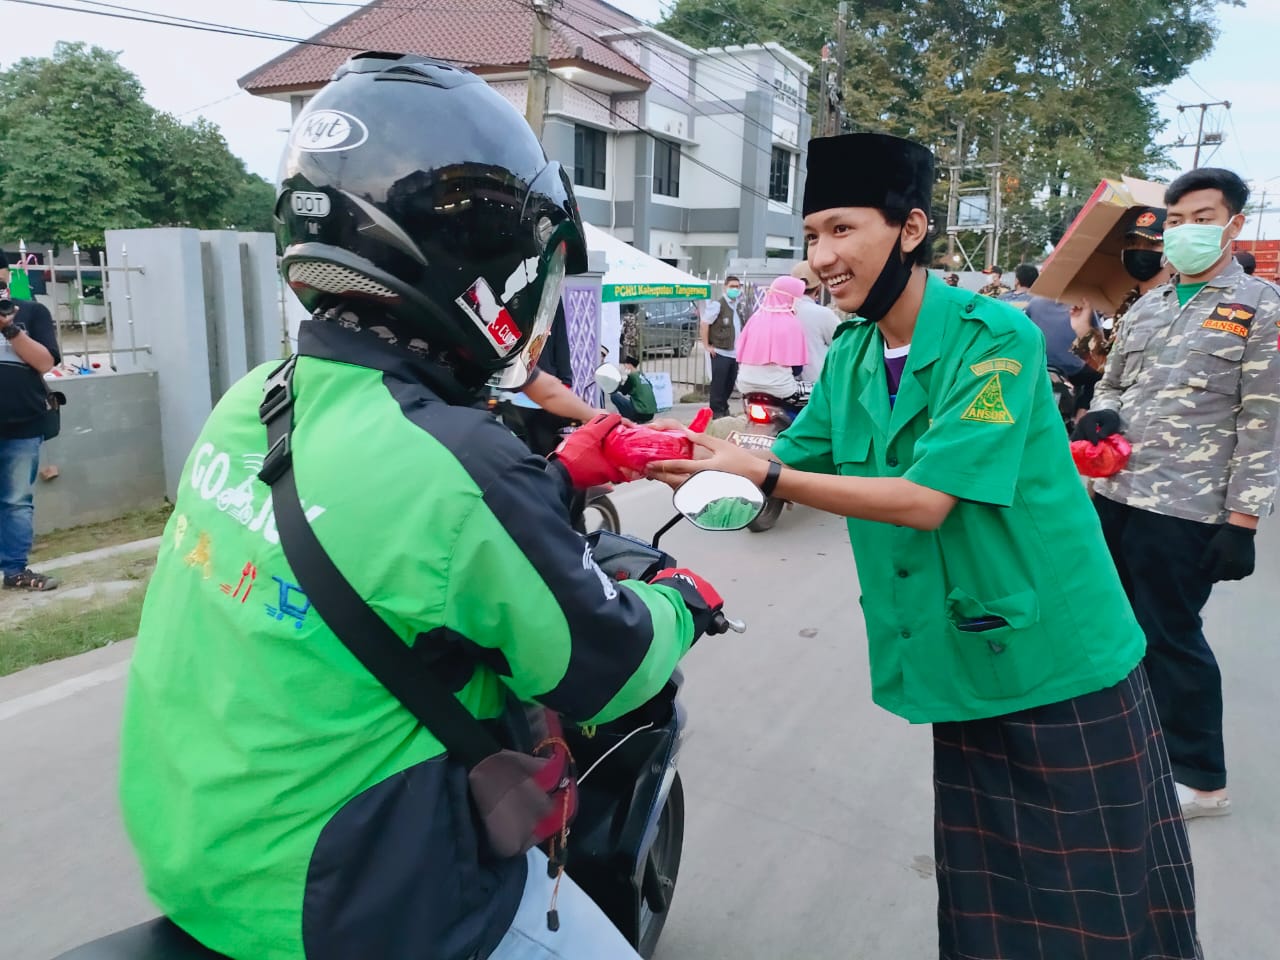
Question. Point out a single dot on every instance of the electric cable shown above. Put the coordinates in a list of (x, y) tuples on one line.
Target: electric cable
[(653, 136), (206, 26)]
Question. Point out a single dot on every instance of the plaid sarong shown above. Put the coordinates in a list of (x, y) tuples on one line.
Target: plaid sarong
[(1059, 836)]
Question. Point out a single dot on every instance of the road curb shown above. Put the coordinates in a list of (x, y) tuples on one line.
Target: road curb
[(102, 553)]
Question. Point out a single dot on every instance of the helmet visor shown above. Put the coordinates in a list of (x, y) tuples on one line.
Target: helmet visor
[(522, 367)]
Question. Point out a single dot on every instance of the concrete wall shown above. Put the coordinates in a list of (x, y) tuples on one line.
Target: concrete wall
[(264, 330), (108, 454), (168, 309), (207, 306)]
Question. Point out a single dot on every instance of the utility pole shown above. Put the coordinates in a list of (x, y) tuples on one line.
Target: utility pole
[(997, 217), (953, 197), (1200, 140), (535, 109), (837, 111), (824, 94)]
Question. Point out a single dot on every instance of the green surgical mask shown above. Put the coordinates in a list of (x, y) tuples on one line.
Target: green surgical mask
[(1192, 248), (732, 293)]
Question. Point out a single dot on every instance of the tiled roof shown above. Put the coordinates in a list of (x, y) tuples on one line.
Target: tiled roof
[(480, 34)]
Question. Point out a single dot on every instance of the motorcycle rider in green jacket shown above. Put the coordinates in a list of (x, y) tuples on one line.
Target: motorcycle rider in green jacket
[(282, 803)]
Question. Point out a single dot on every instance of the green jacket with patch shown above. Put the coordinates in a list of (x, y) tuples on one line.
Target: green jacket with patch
[(1013, 602), (282, 803)]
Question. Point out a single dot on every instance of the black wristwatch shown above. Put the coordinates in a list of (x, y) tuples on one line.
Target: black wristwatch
[(12, 330), (771, 478)]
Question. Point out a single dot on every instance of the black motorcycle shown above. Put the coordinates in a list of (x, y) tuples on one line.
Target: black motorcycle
[(766, 418)]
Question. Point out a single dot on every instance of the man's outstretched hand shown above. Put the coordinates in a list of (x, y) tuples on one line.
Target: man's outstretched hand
[(710, 453)]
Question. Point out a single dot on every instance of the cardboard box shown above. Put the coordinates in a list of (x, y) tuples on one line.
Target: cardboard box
[(1086, 262)]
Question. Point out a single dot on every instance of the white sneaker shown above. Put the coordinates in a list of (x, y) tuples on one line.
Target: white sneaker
[(1195, 805)]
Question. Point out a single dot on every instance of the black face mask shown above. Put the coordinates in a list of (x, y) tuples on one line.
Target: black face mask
[(1141, 264), (884, 293)]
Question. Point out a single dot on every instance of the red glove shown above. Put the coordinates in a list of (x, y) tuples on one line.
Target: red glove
[(699, 596), (582, 453)]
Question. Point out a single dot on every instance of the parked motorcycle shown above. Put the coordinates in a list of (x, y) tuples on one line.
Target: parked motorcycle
[(626, 841), (766, 417)]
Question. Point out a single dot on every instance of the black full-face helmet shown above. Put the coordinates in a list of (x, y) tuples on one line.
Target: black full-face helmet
[(412, 185)]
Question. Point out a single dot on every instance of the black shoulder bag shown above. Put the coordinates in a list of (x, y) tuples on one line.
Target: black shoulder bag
[(54, 401), (521, 799)]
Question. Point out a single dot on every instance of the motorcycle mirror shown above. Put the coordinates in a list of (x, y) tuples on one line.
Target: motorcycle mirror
[(608, 377), (713, 500)]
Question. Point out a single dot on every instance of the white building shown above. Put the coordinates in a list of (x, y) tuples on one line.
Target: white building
[(695, 156)]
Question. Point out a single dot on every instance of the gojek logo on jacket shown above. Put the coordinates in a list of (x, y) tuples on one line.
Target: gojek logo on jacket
[(211, 478)]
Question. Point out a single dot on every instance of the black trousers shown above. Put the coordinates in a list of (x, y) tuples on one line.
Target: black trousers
[(724, 376), (1159, 558)]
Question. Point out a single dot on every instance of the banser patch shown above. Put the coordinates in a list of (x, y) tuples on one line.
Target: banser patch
[(989, 406), (1234, 318)]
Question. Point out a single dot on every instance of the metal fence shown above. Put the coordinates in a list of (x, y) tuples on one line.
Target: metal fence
[(78, 306), (667, 336)]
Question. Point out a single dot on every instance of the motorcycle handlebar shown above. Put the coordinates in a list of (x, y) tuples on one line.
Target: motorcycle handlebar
[(722, 624)]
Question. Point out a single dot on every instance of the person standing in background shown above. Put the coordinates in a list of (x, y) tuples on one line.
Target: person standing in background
[(996, 287), (28, 351), (721, 324), (819, 322), (1194, 382), (1024, 275)]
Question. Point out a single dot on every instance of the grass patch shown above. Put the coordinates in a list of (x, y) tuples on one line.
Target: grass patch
[(63, 630), (139, 525)]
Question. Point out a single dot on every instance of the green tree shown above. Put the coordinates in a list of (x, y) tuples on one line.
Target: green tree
[(82, 152), (1068, 84), (250, 205)]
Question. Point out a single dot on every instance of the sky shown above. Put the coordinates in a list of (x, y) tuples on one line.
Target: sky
[(190, 73)]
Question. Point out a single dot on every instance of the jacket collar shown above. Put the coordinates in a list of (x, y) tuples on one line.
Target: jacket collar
[(1228, 277), (362, 347), (913, 393)]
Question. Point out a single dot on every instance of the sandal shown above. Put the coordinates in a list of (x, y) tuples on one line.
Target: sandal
[(28, 579)]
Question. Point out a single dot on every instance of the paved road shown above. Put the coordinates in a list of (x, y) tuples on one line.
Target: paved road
[(809, 830)]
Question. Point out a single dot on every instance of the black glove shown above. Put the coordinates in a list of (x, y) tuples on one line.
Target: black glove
[(1229, 555), (1097, 425), (699, 596)]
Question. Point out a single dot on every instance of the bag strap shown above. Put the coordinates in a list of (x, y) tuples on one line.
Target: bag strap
[(405, 674)]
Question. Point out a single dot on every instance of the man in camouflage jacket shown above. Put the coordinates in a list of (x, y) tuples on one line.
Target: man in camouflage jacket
[(1194, 383), (996, 287)]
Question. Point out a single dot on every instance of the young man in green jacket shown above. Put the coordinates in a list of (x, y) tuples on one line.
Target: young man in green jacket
[(934, 430)]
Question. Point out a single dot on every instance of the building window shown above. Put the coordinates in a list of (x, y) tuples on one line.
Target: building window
[(588, 157), (666, 168), (780, 175)]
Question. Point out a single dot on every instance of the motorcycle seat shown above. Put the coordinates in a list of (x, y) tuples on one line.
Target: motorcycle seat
[(159, 939)]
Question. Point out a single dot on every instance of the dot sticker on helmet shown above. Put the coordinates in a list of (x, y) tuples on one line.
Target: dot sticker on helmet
[(479, 303), (310, 204)]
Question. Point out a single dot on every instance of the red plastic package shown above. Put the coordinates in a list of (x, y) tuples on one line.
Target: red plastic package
[(700, 420), (1105, 458), (634, 448)]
